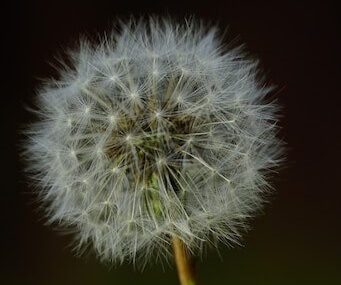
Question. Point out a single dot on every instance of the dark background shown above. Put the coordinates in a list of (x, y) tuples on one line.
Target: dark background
[(295, 241)]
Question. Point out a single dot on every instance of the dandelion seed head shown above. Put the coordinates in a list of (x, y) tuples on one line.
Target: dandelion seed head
[(157, 131)]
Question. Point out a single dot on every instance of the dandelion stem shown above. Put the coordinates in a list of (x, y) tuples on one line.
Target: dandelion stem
[(184, 263)]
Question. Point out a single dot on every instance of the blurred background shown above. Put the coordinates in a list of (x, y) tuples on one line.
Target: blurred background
[(296, 240)]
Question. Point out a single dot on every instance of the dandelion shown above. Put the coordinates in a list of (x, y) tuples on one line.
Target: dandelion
[(157, 138)]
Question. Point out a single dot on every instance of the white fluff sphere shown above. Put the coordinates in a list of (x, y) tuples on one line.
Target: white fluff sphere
[(157, 131)]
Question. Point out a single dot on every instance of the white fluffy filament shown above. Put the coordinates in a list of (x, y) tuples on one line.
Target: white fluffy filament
[(157, 131)]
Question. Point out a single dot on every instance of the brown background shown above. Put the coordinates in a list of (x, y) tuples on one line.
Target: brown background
[(295, 241)]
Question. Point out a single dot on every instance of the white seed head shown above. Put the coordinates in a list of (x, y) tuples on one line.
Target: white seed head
[(169, 134)]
